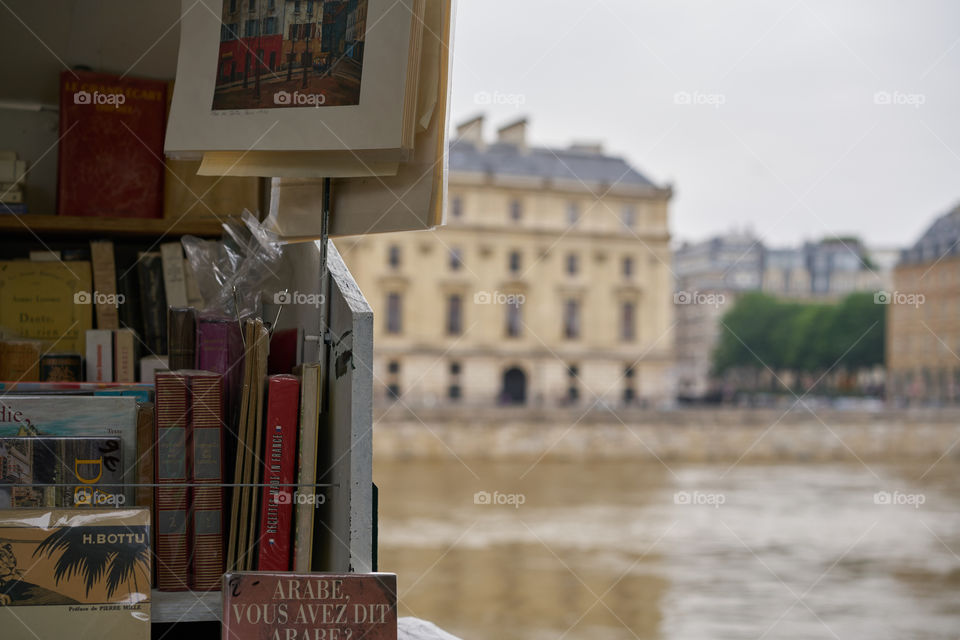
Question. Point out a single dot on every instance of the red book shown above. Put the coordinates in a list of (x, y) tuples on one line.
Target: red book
[(111, 145), (280, 454), (171, 470), (205, 452)]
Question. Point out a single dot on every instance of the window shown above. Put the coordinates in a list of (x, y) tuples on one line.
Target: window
[(573, 213), (571, 319), (393, 367), (456, 259), (628, 267), (515, 262), (394, 313), (393, 256), (309, 7), (233, 5), (251, 28), (271, 5), (253, 6), (572, 264), (454, 391), (454, 315), (393, 391), (516, 210), (628, 322), (514, 321), (456, 207), (628, 216), (573, 384), (270, 28)]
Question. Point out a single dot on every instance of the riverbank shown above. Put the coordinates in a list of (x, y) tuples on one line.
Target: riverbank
[(691, 435)]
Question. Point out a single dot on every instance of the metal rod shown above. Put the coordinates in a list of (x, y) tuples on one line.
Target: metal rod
[(169, 485)]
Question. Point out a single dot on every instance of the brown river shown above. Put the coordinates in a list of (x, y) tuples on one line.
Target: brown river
[(613, 550)]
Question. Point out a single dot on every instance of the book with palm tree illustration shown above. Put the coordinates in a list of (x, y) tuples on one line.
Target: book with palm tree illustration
[(87, 570)]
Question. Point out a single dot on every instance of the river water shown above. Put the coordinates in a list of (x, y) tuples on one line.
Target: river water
[(613, 550)]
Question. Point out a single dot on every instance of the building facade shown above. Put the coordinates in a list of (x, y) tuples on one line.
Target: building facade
[(549, 286), (710, 276), (923, 318)]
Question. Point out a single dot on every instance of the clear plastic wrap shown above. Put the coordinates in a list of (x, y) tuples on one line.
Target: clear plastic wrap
[(234, 272)]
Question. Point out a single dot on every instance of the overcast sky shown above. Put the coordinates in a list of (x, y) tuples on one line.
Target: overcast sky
[(805, 119)]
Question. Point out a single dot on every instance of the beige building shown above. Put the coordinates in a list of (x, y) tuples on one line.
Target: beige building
[(923, 322), (549, 286)]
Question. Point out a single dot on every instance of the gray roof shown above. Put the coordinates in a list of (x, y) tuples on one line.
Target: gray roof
[(940, 240), (540, 162)]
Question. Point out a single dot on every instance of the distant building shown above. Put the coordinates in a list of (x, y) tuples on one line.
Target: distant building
[(710, 277), (923, 323), (549, 286)]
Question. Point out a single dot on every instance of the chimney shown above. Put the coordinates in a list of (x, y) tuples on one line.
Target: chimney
[(472, 131), (514, 134), (593, 148)]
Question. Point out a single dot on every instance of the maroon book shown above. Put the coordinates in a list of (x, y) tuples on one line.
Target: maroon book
[(279, 460), (110, 159), (316, 606)]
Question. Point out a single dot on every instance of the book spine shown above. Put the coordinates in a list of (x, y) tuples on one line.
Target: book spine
[(171, 497), (205, 451), (310, 402), (124, 356), (19, 361), (99, 355), (61, 368), (105, 284), (174, 278), (276, 503), (146, 438), (153, 303), (181, 338)]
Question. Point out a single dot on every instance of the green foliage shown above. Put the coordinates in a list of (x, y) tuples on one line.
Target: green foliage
[(763, 332)]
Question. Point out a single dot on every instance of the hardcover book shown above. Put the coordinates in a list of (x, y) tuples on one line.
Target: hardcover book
[(20, 360), (311, 399), (111, 145), (314, 606), (153, 302), (172, 493), (181, 338), (124, 355), (105, 284), (99, 355), (71, 416), (77, 573), (48, 301), (205, 453), (174, 278), (61, 367), (61, 472), (280, 447)]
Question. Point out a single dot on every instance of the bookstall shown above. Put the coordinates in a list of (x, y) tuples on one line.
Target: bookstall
[(185, 359)]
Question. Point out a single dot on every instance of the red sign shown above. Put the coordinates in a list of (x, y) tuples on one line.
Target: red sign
[(315, 606)]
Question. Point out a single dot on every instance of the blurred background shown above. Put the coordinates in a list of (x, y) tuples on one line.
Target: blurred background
[(683, 362)]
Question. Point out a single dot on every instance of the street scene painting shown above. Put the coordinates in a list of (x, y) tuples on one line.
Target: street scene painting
[(278, 54)]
